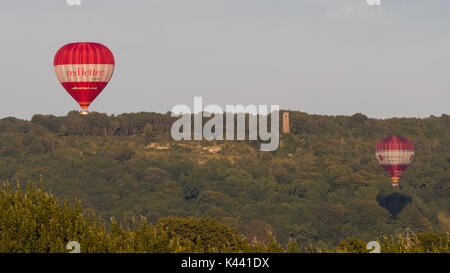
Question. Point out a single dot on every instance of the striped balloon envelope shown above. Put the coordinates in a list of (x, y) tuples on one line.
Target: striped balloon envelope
[(84, 69), (395, 153)]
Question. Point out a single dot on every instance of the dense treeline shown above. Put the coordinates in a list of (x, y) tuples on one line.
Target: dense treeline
[(321, 186), (34, 221)]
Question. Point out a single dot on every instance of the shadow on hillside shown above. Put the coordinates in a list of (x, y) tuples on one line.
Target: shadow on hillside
[(393, 202)]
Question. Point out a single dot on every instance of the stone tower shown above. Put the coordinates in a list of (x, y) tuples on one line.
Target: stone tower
[(286, 129)]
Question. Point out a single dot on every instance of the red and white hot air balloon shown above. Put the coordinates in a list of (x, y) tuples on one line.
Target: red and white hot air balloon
[(84, 69), (395, 153)]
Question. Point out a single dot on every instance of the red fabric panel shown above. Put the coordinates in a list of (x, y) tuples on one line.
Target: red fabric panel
[(395, 170), (84, 96), (83, 53), (394, 143)]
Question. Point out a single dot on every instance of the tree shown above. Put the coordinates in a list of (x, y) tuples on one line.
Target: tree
[(352, 245), (155, 175), (149, 133), (206, 233)]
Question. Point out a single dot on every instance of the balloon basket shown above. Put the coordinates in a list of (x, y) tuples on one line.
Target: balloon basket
[(84, 112)]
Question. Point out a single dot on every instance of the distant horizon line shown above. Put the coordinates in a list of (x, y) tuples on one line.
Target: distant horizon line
[(281, 111)]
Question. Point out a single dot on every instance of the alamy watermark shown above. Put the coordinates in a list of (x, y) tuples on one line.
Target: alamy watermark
[(73, 2), (213, 128), (374, 247), (372, 3)]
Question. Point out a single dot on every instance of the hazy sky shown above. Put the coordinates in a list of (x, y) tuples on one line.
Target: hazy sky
[(319, 56)]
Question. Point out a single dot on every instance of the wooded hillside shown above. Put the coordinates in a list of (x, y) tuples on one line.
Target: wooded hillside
[(321, 186)]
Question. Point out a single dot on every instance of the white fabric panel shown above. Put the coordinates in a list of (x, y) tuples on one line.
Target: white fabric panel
[(84, 72), (395, 157)]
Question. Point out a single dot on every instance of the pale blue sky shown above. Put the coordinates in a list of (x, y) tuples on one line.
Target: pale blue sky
[(318, 56)]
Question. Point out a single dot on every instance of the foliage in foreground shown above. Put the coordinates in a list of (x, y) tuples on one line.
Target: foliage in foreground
[(34, 221)]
